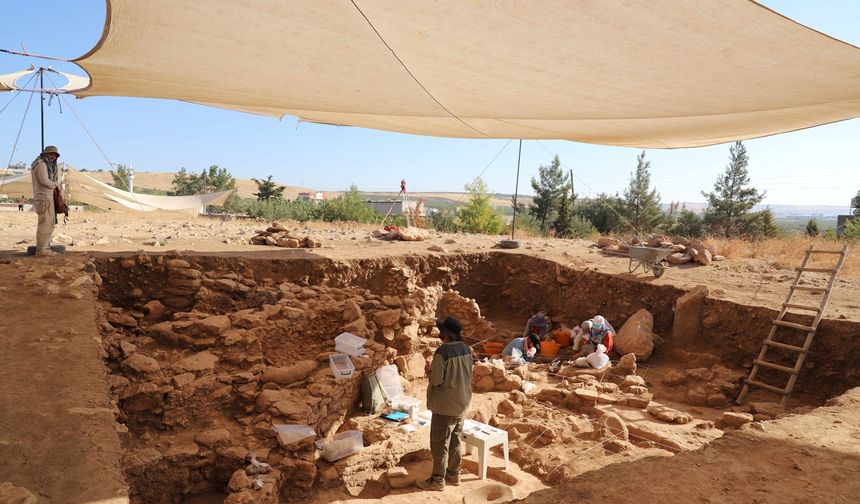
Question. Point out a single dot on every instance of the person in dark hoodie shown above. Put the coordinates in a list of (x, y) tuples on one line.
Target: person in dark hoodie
[(449, 395)]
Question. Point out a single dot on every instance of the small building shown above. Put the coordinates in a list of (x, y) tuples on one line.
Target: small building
[(314, 197), (400, 207)]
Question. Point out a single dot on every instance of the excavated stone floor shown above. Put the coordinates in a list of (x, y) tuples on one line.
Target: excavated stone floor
[(205, 353)]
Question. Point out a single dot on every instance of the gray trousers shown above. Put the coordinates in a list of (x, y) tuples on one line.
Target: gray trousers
[(445, 445)]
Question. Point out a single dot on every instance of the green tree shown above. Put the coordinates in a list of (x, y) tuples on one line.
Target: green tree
[(812, 228), (215, 179), (759, 225), (444, 219), (600, 211), (855, 204), (563, 223), (688, 224), (641, 204), (348, 207), (120, 177), (731, 201), (851, 231), (268, 189), (548, 189), (479, 216)]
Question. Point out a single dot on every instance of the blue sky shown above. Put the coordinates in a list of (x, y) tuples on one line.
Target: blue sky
[(819, 166)]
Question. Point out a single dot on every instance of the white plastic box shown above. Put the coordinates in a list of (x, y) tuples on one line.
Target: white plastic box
[(349, 344), (289, 434), (341, 445), (411, 405), (341, 366)]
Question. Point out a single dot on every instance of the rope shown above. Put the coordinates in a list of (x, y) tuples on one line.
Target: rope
[(18, 137), (412, 75), (17, 92)]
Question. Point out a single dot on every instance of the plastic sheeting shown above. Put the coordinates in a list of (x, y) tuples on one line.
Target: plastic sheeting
[(85, 189), (656, 73)]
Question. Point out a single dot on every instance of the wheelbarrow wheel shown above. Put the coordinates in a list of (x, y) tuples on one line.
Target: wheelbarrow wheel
[(658, 270)]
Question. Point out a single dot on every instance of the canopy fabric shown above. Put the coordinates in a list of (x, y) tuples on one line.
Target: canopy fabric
[(75, 82), (94, 192), (649, 73), (85, 189)]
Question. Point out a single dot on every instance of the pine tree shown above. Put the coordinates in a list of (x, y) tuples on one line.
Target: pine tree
[(759, 225), (548, 193), (812, 228), (731, 201), (564, 218), (479, 216), (688, 224), (641, 204), (268, 189)]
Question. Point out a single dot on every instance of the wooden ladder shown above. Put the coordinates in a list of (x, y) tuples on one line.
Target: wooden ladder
[(801, 351)]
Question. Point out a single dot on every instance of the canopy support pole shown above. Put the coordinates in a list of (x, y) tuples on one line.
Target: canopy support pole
[(42, 103), (516, 190)]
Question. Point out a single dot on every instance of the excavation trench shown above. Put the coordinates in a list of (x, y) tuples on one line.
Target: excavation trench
[(207, 352)]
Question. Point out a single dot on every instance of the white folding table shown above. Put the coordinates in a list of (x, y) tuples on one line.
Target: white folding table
[(483, 437)]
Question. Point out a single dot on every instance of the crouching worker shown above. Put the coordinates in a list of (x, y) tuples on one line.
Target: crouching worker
[(528, 347), (592, 333), (449, 395)]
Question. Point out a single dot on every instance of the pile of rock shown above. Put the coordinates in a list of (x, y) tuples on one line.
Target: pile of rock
[(705, 386), (407, 234), (278, 236), (684, 250)]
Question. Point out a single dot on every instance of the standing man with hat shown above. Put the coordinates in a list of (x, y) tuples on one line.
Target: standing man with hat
[(43, 173), (449, 395)]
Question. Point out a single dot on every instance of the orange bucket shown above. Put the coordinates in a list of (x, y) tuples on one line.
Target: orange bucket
[(562, 337), (493, 347), (549, 348)]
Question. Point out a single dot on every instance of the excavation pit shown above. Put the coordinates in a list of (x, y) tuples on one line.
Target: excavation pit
[(207, 352)]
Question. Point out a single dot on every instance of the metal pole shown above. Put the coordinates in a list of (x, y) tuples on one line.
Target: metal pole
[(42, 102), (516, 190)]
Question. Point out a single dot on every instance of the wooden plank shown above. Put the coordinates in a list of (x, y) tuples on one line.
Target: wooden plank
[(802, 307), (778, 367), (811, 289), (766, 386), (821, 251), (784, 346), (792, 325), (817, 270)]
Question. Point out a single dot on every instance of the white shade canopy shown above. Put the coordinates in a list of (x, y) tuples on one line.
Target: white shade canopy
[(655, 73)]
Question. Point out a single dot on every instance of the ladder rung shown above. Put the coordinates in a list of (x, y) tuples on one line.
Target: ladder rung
[(792, 325), (784, 346), (817, 270), (811, 289), (816, 251), (801, 307), (771, 365), (766, 386)]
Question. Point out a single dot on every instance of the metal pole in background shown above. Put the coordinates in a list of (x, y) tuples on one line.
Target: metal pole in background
[(42, 102), (516, 190)]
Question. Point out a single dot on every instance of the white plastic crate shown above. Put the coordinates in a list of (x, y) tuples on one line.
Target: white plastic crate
[(341, 445), (411, 405), (349, 344), (289, 434), (341, 366)]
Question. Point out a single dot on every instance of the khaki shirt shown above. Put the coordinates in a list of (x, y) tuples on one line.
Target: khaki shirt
[(450, 390), (43, 186)]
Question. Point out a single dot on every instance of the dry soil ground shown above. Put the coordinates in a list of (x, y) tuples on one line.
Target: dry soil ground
[(56, 429)]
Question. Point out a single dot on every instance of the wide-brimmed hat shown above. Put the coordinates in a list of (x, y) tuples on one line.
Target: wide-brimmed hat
[(450, 325), (50, 149)]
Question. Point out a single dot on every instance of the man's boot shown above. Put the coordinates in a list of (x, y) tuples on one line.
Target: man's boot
[(431, 483)]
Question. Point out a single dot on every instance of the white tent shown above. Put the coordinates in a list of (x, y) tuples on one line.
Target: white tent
[(646, 73)]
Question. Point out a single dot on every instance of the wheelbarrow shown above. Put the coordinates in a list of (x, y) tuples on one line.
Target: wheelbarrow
[(651, 259)]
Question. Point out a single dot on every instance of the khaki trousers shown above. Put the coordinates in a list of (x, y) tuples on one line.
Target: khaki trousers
[(45, 228), (445, 445)]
